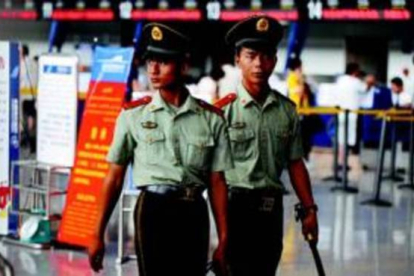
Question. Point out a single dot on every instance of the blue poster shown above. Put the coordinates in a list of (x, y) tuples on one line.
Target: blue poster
[(9, 131)]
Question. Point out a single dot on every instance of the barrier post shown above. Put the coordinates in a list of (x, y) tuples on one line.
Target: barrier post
[(410, 183), (335, 176), (376, 200), (393, 173)]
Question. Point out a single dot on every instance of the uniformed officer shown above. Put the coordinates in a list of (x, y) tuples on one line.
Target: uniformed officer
[(265, 138), (178, 147)]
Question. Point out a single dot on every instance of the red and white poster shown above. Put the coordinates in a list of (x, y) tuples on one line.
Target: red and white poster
[(111, 67)]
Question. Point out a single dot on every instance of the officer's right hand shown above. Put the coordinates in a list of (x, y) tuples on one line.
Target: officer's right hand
[(310, 227), (96, 252)]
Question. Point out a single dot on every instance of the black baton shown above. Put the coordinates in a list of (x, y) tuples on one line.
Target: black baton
[(300, 215), (317, 258)]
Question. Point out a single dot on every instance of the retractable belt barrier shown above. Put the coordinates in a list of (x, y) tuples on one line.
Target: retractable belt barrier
[(376, 200), (391, 115)]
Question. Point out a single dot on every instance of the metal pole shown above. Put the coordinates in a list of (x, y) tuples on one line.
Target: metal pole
[(410, 184), (48, 207), (336, 148), (346, 152), (393, 173), (335, 176), (376, 200), (393, 149)]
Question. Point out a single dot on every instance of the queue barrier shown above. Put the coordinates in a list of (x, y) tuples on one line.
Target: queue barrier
[(376, 200), (397, 115)]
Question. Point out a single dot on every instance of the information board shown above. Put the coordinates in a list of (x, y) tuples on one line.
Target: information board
[(57, 110)]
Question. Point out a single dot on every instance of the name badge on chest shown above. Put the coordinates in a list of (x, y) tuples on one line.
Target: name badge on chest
[(238, 125), (149, 125)]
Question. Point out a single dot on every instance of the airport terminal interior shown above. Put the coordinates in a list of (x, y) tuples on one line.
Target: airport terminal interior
[(354, 239), (68, 67)]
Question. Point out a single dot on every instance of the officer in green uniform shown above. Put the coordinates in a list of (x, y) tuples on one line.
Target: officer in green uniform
[(178, 147), (264, 132)]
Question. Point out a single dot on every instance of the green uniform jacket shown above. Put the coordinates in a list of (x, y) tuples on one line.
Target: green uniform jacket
[(264, 139), (169, 145)]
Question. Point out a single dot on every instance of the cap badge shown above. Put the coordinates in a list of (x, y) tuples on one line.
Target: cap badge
[(156, 33), (262, 25)]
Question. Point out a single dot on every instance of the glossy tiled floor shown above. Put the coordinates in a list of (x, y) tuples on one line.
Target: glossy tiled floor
[(354, 239)]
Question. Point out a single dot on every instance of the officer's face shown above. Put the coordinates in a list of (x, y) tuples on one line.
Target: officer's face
[(256, 66), (164, 73)]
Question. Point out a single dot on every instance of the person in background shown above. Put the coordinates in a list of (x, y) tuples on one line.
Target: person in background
[(349, 90), (408, 80), (228, 82), (350, 87), (208, 86), (28, 71), (377, 96), (28, 134), (400, 98), (367, 99), (297, 90), (134, 75)]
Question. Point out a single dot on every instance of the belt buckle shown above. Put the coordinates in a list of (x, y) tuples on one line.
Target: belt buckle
[(267, 204), (189, 194)]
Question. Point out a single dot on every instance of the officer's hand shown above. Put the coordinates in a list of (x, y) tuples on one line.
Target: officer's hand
[(96, 252), (220, 262), (310, 226)]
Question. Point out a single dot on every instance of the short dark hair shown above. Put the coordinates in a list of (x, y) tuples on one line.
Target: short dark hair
[(164, 57), (397, 81), (261, 47), (352, 68), (25, 50), (216, 73), (295, 63)]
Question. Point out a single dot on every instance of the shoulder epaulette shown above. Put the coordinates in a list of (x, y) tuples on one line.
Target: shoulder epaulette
[(143, 101), (284, 97), (228, 99), (210, 107)]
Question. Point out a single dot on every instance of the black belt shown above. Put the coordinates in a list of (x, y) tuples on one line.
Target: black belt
[(262, 199), (187, 192)]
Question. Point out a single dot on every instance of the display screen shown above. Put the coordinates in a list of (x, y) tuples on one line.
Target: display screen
[(18, 9), (194, 10), (14, 4)]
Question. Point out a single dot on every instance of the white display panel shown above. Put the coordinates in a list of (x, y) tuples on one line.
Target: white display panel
[(57, 110)]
